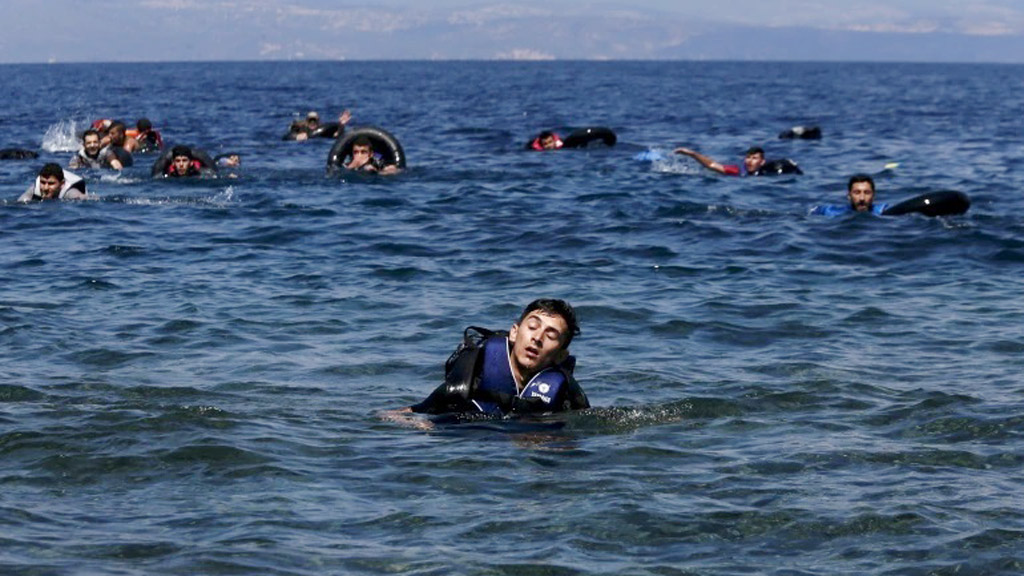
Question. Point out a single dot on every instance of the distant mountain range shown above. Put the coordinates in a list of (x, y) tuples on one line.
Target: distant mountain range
[(193, 30)]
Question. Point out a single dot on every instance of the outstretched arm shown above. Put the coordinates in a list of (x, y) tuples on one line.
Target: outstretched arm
[(705, 161)]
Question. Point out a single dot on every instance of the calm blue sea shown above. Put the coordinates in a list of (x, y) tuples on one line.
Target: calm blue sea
[(191, 373)]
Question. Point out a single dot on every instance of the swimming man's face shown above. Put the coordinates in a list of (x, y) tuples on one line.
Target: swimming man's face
[(116, 135), (861, 196), (537, 342), (361, 154), (181, 164), (548, 143), (753, 162), (49, 186), (91, 144)]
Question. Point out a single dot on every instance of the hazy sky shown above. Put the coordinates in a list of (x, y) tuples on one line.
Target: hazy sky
[(154, 30)]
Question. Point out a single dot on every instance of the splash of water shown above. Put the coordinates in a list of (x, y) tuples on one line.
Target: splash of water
[(61, 137)]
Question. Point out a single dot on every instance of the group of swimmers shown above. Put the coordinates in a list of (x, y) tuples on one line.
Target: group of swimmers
[(109, 145)]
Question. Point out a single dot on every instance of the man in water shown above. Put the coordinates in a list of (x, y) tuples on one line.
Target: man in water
[(54, 183), (183, 163), (364, 159), (146, 139), (526, 371), (752, 162), (116, 144), (308, 129), (547, 140), (90, 156), (860, 194)]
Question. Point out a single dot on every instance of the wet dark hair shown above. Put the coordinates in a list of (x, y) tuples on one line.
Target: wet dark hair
[(115, 124), (144, 124), (181, 151), (362, 141), (52, 169), (90, 131), (755, 150), (860, 178), (545, 134), (554, 307)]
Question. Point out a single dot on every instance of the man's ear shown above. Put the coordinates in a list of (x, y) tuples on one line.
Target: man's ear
[(512, 332)]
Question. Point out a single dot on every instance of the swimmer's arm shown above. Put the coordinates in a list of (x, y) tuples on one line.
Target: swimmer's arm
[(406, 417), (704, 160)]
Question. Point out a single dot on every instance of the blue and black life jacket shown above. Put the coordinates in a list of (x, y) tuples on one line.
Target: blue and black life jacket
[(478, 379), (496, 391)]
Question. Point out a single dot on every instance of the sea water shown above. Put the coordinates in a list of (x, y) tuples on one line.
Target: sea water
[(192, 373)]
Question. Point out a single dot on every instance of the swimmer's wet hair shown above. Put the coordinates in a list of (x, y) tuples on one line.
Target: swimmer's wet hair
[(181, 151), (52, 169), (555, 307), (860, 178)]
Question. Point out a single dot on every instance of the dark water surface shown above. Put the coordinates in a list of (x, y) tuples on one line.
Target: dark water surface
[(192, 371)]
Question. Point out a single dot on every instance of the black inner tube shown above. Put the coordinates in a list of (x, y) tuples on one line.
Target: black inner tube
[(384, 143), (941, 203), (781, 166), (584, 137)]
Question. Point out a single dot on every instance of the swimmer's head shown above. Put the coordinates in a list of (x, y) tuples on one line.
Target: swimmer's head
[(51, 180), (541, 337), (181, 159), (116, 133), (362, 146), (547, 140), (555, 307), (144, 125), (754, 159), (229, 159), (860, 191), (91, 142)]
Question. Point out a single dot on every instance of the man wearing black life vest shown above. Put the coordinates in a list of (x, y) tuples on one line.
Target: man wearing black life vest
[(527, 370), (183, 163)]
